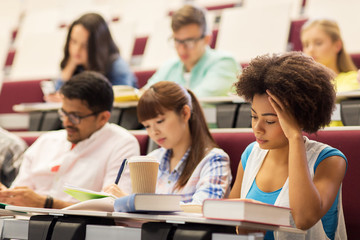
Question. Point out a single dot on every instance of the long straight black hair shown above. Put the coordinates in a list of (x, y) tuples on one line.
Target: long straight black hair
[(102, 50)]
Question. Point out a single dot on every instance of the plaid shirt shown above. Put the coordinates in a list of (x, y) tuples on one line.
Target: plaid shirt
[(12, 148), (211, 177)]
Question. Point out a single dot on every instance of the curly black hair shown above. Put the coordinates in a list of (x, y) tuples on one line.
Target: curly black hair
[(303, 85)]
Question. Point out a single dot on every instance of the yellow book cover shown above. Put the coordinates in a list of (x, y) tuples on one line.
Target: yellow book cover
[(125, 93)]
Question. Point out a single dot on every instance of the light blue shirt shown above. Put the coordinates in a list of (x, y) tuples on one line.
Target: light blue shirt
[(213, 75)]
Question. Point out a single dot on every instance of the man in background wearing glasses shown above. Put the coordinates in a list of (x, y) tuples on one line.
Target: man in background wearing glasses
[(87, 153), (203, 70)]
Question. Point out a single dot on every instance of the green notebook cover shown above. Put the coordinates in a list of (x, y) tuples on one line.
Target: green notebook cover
[(84, 194)]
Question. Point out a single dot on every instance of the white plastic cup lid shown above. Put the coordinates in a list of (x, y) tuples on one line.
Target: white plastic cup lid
[(142, 159)]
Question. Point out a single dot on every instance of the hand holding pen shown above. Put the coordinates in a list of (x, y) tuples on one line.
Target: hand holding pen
[(114, 189)]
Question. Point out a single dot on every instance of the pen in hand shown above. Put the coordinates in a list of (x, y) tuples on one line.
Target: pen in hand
[(120, 171)]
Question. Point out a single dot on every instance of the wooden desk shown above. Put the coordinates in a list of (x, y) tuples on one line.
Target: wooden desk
[(221, 111), (18, 229), (231, 111), (36, 107), (349, 107), (44, 117), (48, 106), (12, 228), (203, 100), (348, 94), (222, 99), (124, 113), (182, 218)]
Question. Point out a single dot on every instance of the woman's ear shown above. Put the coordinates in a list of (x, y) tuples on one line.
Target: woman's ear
[(186, 112), (338, 45)]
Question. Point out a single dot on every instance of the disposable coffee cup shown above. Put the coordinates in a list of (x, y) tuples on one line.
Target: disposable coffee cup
[(143, 173)]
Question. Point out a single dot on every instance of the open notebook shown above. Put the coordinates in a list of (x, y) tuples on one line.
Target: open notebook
[(83, 194)]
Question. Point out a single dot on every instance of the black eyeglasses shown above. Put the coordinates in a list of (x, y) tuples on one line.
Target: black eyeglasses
[(188, 43), (73, 118)]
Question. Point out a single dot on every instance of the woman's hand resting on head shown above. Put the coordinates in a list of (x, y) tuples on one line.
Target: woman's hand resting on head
[(288, 123)]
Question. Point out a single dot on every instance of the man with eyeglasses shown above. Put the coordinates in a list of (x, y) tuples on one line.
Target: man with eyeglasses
[(87, 153), (203, 70)]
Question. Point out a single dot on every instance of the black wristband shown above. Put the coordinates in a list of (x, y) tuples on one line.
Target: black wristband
[(49, 202)]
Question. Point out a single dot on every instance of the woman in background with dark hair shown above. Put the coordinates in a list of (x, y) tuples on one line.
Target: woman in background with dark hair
[(89, 46), (191, 164)]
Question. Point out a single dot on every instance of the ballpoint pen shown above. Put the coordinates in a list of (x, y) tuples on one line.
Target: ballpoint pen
[(120, 171)]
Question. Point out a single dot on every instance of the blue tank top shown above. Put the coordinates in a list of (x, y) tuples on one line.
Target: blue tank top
[(330, 219)]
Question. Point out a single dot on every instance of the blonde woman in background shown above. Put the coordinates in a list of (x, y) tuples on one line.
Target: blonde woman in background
[(321, 39)]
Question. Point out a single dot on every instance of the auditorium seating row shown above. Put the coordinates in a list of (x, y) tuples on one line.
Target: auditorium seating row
[(268, 31), (228, 115), (234, 141), (24, 19), (273, 30), (29, 91)]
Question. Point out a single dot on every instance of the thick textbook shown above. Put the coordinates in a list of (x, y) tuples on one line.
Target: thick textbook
[(246, 210), (148, 203)]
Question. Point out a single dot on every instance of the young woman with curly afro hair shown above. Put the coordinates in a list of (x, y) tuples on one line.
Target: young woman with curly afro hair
[(290, 94)]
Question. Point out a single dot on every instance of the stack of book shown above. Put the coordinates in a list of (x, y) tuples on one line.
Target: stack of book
[(101, 201), (124, 93), (246, 210)]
